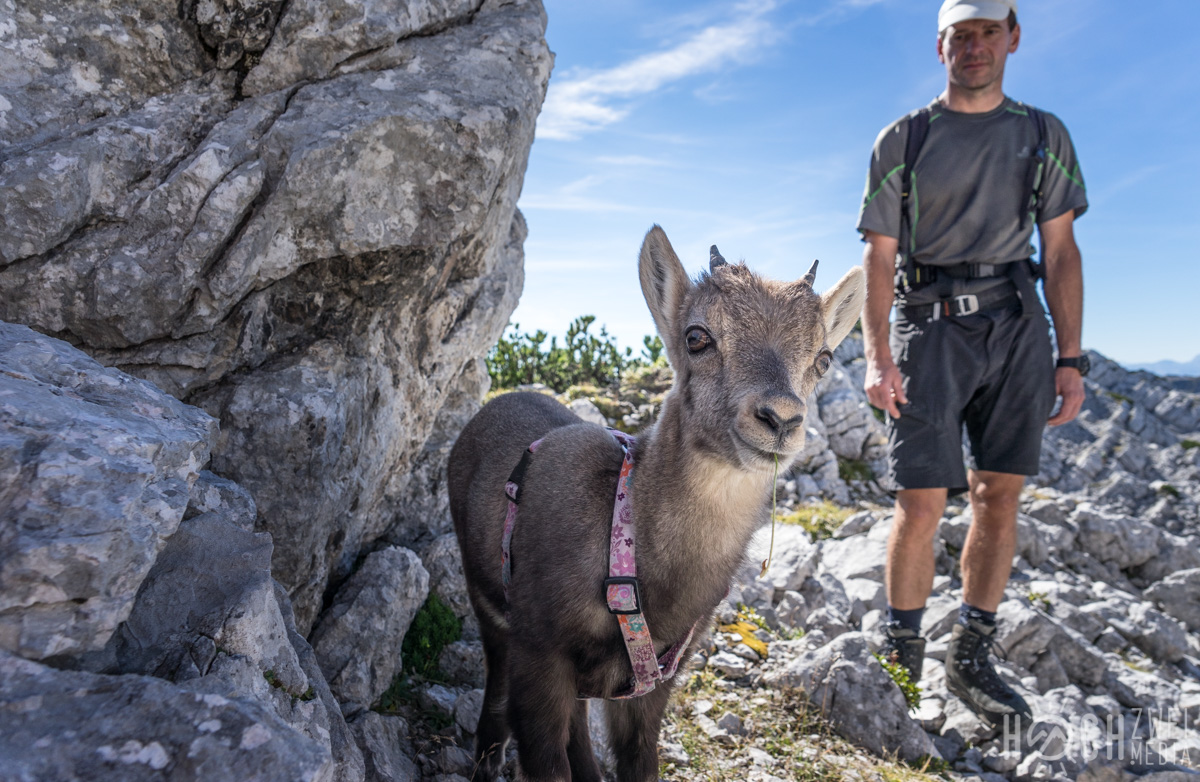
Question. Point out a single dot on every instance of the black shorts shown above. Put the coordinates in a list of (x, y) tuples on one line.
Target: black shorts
[(992, 372)]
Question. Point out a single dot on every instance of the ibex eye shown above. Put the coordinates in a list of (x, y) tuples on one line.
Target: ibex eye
[(697, 340), (822, 362)]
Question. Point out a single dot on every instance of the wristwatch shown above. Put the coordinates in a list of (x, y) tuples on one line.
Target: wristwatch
[(1081, 363)]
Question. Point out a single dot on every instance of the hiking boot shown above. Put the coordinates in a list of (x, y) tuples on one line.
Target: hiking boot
[(903, 646), (970, 675)]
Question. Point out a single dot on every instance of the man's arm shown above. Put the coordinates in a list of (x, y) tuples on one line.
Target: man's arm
[(884, 384), (1064, 296)]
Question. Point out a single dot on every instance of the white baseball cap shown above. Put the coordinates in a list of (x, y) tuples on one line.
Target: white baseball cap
[(955, 11)]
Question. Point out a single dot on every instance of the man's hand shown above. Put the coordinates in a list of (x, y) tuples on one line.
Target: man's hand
[(1068, 384), (885, 387)]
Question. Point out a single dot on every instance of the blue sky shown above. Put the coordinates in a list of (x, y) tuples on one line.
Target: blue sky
[(749, 125)]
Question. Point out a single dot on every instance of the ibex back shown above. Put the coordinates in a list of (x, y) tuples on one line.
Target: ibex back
[(746, 353)]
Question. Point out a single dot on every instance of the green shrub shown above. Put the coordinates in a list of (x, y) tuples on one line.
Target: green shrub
[(582, 359), (1189, 444), (434, 626), (854, 470), (908, 688)]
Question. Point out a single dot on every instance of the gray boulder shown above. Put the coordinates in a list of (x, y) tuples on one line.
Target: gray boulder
[(384, 740), (97, 467), (75, 725), (378, 603), (210, 589), (857, 696), (1178, 595)]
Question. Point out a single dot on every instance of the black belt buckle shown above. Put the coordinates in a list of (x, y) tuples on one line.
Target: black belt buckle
[(619, 592)]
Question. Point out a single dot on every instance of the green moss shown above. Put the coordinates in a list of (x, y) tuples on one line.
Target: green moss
[(434, 626), (1189, 444), (908, 688), (854, 470)]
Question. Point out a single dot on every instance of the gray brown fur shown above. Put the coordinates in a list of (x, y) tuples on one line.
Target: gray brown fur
[(701, 482)]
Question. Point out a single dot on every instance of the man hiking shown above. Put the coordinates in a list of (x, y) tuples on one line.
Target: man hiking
[(953, 194)]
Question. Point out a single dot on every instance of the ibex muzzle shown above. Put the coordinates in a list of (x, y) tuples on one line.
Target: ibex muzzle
[(746, 353)]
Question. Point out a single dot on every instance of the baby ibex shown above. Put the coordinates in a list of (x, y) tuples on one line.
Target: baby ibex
[(746, 354)]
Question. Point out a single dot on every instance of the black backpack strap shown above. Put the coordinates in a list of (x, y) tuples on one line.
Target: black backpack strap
[(907, 271), (1035, 176)]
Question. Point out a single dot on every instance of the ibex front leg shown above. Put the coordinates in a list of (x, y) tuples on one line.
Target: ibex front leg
[(541, 704), (633, 727), (579, 747)]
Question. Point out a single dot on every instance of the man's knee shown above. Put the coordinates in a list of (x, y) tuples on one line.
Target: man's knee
[(996, 493), (919, 511)]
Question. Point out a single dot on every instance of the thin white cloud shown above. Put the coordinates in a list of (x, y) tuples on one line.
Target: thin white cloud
[(579, 104)]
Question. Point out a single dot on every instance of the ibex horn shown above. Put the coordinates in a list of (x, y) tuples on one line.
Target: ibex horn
[(811, 277), (714, 259)]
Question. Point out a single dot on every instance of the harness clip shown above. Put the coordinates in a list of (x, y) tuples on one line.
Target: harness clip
[(623, 595), (967, 304)]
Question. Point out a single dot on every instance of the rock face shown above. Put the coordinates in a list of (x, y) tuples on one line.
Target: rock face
[(95, 469), (299, 217), (122, 560)]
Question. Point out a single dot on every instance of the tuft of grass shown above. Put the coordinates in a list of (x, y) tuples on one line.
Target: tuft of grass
[(820, 519), (1170, 491), (1189, 444), (434, 626), (781, 723), (1039, 600), (908, 688), (399, 693), (1119, 397), (274, 680), (854, 470)]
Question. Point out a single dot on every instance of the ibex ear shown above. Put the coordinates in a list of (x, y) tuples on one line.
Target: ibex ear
[(842, 305), (665, 285)]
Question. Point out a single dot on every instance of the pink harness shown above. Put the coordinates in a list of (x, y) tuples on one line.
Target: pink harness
[(622, 590)]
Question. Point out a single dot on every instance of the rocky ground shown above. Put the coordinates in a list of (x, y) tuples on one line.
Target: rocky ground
[(1100, 628)]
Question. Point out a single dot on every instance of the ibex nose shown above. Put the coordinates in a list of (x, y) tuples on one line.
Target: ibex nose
[(778, 425)]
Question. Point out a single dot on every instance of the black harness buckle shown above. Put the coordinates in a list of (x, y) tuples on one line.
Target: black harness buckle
[(623, 594)]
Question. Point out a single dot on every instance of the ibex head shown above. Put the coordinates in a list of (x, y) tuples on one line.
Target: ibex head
[(746, 351)]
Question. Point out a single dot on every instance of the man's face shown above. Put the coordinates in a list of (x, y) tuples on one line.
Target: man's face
[(974, 51)]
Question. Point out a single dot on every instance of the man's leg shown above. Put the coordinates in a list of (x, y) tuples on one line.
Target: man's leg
[(992, 539), (910, 563), (986, 564), (909, 575)]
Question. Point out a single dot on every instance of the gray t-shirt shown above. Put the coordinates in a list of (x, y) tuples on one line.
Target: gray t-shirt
[(969, 188)]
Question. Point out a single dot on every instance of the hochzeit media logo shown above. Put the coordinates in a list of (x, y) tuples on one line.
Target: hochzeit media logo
[(1145, 737)]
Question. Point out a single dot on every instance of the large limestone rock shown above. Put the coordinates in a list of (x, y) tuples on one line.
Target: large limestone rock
[(145, 569), (95, 470), (297, 216)]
